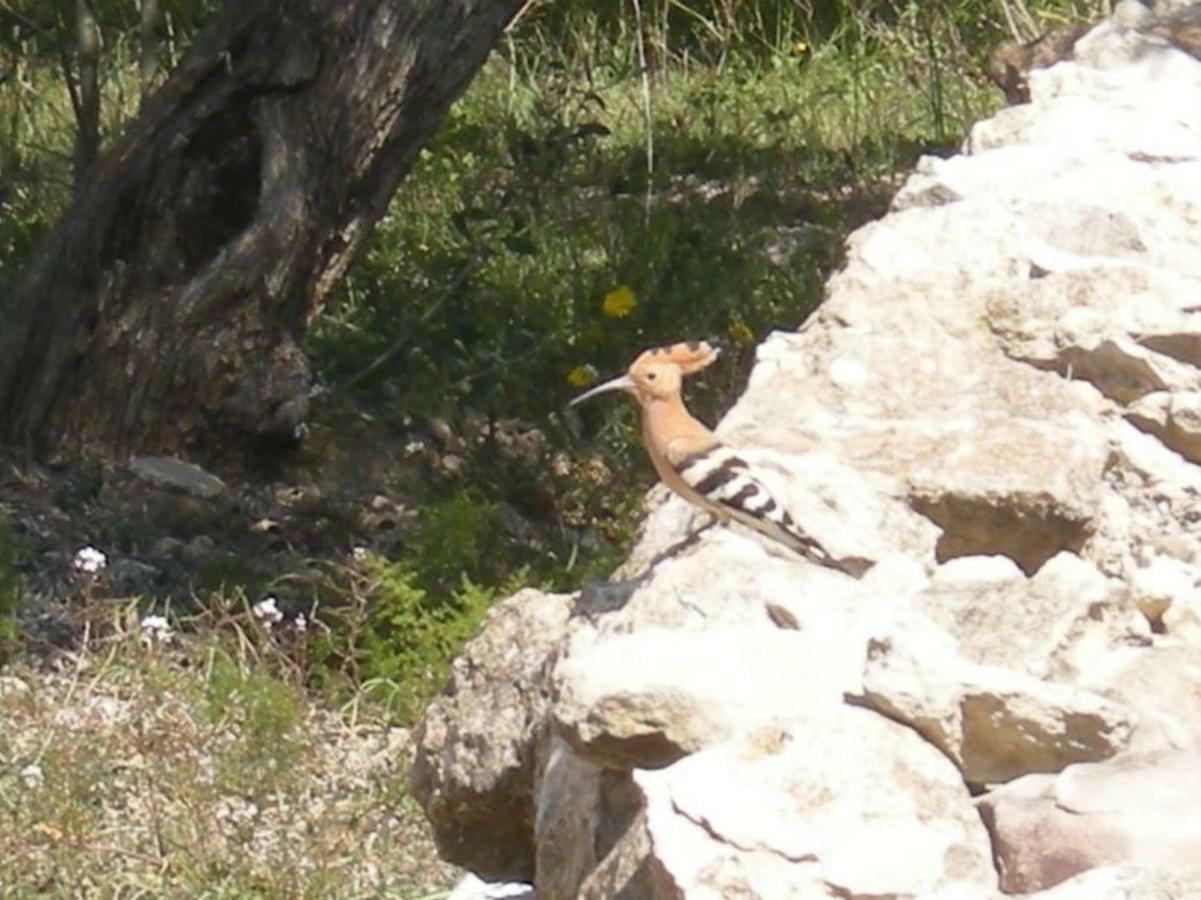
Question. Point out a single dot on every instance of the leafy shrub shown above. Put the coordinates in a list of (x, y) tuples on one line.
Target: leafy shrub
[(420, 611), (460, 542), (411, 635), (395, 626)]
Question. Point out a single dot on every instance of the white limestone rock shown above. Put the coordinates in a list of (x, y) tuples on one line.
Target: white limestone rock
[(476, 746), (1047, 626), (848, 804), (994, 723), (1137, 810), (1174, 417), (473, 888), (1122, 882), (1168, 583), (1160, 684), (647, 699)]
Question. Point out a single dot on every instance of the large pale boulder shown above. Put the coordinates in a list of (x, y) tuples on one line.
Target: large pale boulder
[(475, 757), (1160, 684), (647, 699), (994, 723), (843, 804), (1125, 882), (1047, 626), (1142, 810)]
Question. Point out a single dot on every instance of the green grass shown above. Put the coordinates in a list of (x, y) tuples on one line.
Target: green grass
[(550, 206)]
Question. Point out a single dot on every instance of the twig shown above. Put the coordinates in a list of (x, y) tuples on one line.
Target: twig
[(936, 81), (64, 60), (518, 16), (646, 105), (8, 10), (98, 849), (687, 10), (1021, 23), (152, 796)]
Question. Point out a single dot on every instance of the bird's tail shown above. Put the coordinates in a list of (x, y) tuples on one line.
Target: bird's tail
[(787, 532)]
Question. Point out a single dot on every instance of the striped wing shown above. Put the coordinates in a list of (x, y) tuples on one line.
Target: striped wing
[(725, 480)]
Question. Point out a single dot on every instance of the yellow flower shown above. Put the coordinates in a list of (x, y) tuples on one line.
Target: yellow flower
[(740, 334), (618, 303), (581, 376), (799, 48)]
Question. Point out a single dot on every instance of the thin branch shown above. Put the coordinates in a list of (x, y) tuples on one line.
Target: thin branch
[(646, 105), (388, 355), (1021, 24), (150, 49), (64, 59), (26, 20), (87, 143)]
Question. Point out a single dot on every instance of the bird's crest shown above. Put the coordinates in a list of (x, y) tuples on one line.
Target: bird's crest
[(690, 356)]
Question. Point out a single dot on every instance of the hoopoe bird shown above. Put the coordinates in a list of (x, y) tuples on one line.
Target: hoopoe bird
[(693, 462)]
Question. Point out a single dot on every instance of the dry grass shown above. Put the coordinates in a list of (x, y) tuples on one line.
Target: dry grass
[(137, 767)]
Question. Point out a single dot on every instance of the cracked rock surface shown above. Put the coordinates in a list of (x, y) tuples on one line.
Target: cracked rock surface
[(999, 404)]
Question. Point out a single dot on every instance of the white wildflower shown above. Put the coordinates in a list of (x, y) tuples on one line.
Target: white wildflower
[(301, 623), (89, 560), (412, 448), (360, 554), (156, 629), (32, 775), (267, 611)]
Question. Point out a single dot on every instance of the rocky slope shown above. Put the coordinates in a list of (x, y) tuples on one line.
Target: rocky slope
[(1000, 403)]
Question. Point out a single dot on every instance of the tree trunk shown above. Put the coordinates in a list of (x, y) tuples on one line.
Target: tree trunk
[(165, 310)]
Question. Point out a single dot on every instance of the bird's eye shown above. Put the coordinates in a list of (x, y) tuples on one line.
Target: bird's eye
[(651, 376)]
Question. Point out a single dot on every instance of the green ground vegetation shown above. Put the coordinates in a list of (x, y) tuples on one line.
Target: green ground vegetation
[(621, 174), (153, 763)]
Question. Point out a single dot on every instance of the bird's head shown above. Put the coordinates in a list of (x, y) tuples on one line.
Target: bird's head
[(658, 373)]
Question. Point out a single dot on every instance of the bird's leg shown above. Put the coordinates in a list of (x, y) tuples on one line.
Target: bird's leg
[(686, 541), (715, 518)]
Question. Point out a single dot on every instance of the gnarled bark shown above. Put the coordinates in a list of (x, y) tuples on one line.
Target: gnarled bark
[(165, 310)]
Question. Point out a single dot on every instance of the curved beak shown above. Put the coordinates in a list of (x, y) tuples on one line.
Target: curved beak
[(621, 383)]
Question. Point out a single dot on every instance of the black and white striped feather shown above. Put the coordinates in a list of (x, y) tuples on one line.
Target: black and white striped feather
[(725, 480)]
